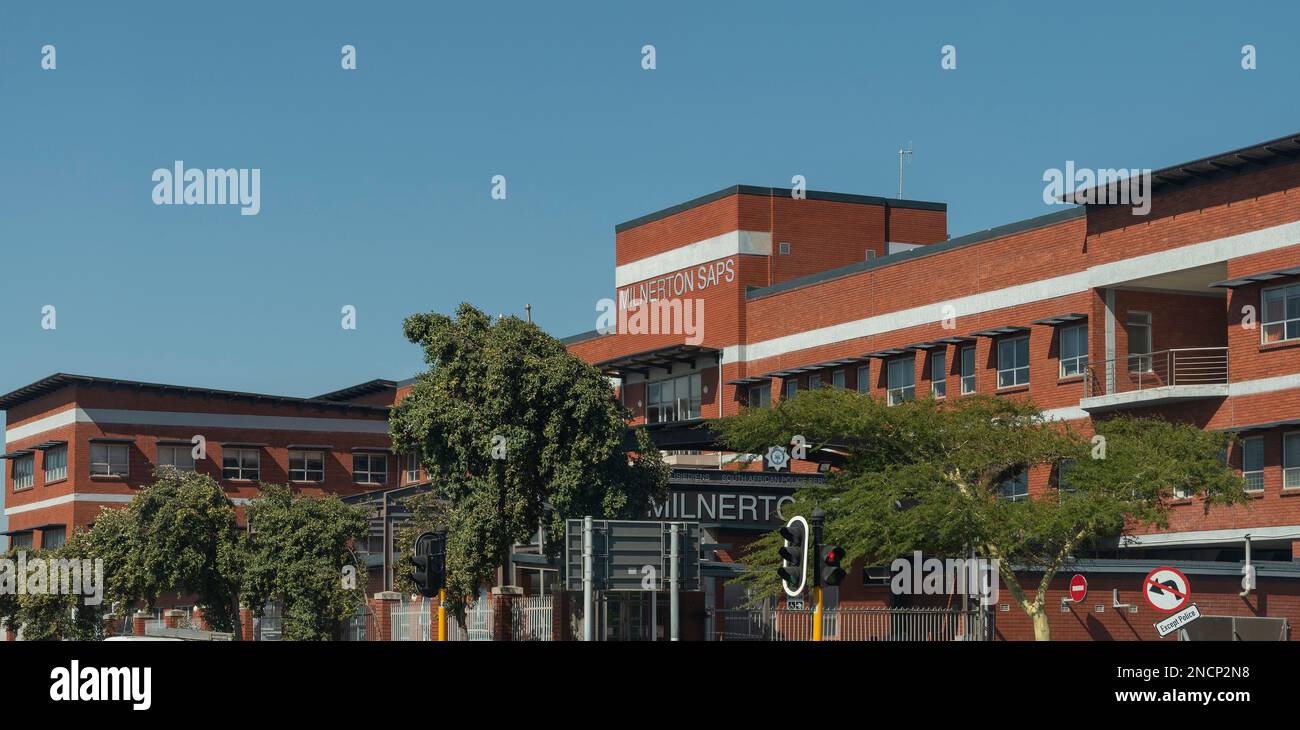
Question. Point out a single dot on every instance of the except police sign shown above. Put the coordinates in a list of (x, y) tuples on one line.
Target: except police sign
[(1178, 620)]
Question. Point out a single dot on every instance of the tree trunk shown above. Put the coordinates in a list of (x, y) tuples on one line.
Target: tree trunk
[(1042, 630)]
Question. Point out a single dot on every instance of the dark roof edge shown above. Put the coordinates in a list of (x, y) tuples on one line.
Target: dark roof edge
[(772, 192), (1042, 221), (358, 390), (581, 337), (58, 381)]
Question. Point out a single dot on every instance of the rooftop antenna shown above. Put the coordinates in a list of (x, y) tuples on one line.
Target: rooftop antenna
[(901, 153)]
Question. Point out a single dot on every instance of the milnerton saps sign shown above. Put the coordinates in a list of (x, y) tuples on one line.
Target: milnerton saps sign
[(741, 498), (679, 283)]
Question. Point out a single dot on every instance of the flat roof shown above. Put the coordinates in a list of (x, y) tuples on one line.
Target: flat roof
[(58, 381), (360, 389), (1042, 221), (781, 192)]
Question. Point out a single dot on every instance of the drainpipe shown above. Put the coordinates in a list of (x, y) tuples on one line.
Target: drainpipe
[(1247, 572)]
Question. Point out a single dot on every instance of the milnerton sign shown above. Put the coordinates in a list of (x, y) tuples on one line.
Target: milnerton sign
[(739, 498)]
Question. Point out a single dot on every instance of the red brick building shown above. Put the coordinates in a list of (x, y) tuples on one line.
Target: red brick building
[(1191, 311)]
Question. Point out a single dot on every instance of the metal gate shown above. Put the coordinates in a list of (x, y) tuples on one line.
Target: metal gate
[(477, 625), (532, 618), (849, 623)]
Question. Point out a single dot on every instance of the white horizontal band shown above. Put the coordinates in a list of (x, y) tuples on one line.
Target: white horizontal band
[(701, 252), (194, 420)]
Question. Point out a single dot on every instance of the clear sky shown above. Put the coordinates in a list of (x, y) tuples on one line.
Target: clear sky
[(375, 183)]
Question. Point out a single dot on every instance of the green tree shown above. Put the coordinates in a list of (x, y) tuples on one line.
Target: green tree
[(505, 383), (177, 535), (298, 553), (63, 607), (927, 475)]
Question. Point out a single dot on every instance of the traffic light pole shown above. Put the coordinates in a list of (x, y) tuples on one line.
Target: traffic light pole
[(673, 597), (818, 518), (588, 610), (442, 614)]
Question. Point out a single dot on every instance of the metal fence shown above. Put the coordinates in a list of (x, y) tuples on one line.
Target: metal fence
[(532, 618), (414, 621), (848, 623), (477, 625)]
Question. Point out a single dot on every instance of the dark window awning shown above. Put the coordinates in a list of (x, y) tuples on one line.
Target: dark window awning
[(886, 354), (749, 381), (931, 345), (956, 340), (50, 526), (49, 445), (1261, 426), (23, 531), (16, 454), (107, 440), (242, 445), (1061, 319), (309, 447), (372, 449), (1257, 278), (1001, 331), (662, 357), (824, 365)]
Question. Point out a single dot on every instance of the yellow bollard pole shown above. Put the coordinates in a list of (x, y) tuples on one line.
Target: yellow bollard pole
[(442, 614), (817, 614)]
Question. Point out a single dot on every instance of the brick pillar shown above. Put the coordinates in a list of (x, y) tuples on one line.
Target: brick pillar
[(560, 616), (503, 614), (382, 604), (172, 618), (246, 624), (137, 623)]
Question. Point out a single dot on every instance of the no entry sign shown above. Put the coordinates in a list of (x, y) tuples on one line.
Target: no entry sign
[(1166, 589), (1078, 588)]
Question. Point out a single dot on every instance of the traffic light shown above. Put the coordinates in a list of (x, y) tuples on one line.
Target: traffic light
[(829, 565), (794, 556), (430, 574)]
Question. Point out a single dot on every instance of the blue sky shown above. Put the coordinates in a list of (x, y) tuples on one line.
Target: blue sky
[(375, 183)]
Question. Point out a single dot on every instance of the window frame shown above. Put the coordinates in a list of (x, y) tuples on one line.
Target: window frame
[(29, 477), (791, 388), (369, 471), (939, 373), (864, 378), (239, 468), (176, 448), (1290, 472), (839, 379), (815, 381), (1079, 361), (1248, 475), (1285, 322), (1142, 360), (109, 474), (45, 534), (1016, 368), (411, 459), (964, 376), (62, 473), (901, 393), (1021, 476), (764, 397), (694, 398), (305, 471)]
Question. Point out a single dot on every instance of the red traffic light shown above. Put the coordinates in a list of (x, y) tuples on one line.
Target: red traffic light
[(834, 555)]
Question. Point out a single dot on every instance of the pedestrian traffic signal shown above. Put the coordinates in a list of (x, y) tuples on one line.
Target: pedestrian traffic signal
[(794, 556), (425, 579), (829, 565)]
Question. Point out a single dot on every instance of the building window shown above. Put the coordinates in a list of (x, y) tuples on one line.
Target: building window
[(180, 458), (939, 374), (784, 248), (814, 381), (1252, 463), (1074, 350), (871, 255), (108, 460), (1139, 342), (864, 378), (306, 466), (1062, 475), (412, 467), (760, 395), (241, 464), (21, 541), (901, 380), (1015, 488), (837, 379), (675, 399), (791, 388), (53, 537), (370, 468), (1013, 362), (968, 369), (1281, 313), (1291, 461), (56, 464), (24, 469)]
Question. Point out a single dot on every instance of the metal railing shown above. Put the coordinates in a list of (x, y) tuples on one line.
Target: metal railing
[(1181, 366), (413, 621), (477, 625), (532, 618), (849, 623)]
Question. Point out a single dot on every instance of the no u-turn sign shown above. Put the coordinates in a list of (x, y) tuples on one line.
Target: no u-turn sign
[(1166, 589)]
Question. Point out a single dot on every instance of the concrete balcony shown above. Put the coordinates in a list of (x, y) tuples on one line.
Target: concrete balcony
[(1155, 379)]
